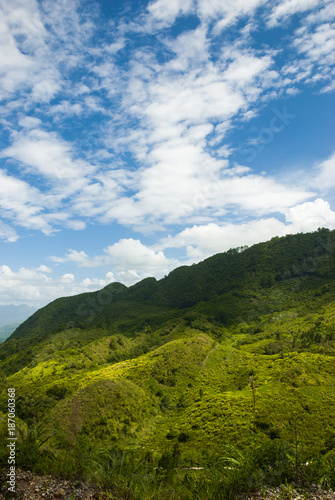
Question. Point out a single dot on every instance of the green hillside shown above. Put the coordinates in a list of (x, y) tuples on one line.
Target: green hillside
[(217, 379)]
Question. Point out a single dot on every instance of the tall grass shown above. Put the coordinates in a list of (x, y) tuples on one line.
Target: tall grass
[(136, 475)]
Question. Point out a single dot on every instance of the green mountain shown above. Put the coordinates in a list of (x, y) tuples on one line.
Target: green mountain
[(226, 366), (215, 286)]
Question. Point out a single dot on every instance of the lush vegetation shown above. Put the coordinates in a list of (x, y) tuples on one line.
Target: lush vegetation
[(218, 379)]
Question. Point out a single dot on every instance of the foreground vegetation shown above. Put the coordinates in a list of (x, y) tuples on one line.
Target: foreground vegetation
[(217, 380)]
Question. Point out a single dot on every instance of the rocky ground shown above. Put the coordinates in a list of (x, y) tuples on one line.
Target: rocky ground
[(313, 492), (30, 486)]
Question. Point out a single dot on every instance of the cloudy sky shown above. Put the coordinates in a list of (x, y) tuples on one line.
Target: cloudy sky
[(137, 136)]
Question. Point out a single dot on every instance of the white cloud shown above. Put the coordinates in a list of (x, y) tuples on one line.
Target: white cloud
[(205, 240), (34, 287), (22, 203), (47, 86), (30, 122), (245, 68), (96, 198), (261, 195), (81, 259), (229, 11), (66, 182), (181, 115), (7, 233), (44, 269), (25, 60), (182, 106), (132, 254), (191, 48), (310, 216), (287, 8), (165, 12), (129, 260), (318, 45), (325, 177), (314, 42), (326, 13), (191, 98), (132, 261), (67, 278), (44, 153), (65, 107)]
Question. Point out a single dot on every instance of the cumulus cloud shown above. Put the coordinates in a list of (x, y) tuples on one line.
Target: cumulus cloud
[(310, 216), (205, 240), (80, 258), (129, 260), (44, 269), (58, 175), (34, 287), (132, 255)]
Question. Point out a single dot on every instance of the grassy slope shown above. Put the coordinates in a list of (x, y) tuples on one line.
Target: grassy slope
[(183, 380), (192, 390)]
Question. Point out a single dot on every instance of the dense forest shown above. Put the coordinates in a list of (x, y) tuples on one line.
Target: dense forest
[(216, 380)]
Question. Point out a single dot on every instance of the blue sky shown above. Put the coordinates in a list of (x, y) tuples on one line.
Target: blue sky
[(138, 136)]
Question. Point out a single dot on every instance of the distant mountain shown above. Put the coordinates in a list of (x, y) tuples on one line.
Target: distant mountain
[(15, 314), (7, 330)]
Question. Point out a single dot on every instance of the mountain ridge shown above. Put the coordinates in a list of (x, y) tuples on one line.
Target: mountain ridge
[(260, 266)]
